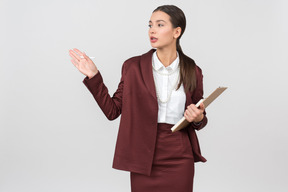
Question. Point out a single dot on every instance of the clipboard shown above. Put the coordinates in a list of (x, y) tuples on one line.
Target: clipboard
[(207, 101)]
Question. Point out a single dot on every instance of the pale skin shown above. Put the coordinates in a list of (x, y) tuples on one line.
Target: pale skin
[(160, 27)]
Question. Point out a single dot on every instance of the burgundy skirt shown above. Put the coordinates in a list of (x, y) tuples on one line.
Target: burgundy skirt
[(173, 164)]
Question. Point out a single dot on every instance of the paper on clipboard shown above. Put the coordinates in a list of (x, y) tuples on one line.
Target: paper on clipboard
[(183, 122)]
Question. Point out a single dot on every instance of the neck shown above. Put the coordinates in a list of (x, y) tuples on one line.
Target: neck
[(166, 55)]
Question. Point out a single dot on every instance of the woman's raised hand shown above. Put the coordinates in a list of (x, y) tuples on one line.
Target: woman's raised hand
[(83, 63)]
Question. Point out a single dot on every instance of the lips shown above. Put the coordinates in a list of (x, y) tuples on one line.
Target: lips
[(153, 39)]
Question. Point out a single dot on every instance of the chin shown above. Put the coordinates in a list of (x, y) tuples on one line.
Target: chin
[(154, 45)]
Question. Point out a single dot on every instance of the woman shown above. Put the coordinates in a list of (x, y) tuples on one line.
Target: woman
[(155, 91)]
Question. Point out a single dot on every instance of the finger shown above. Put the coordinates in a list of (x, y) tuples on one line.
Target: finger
[(202, 106), (74, 55), (188, 117), (192, 108), (189, 109), (198, 110), (86, 57), (75, 63), (78, 52), (189, 114), (194, 111)]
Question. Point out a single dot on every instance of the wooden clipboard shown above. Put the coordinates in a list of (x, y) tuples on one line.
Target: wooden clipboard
[(207, 101)]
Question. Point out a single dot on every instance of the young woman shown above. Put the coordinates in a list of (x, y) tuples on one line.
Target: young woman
[(155, 91)]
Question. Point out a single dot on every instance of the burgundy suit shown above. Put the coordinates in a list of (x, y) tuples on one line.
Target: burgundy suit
[(136, 101)]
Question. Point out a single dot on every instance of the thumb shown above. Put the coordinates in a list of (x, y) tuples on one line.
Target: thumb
[(202, 106)]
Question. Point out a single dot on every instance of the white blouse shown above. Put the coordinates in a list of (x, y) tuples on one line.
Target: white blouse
[(166, 80)]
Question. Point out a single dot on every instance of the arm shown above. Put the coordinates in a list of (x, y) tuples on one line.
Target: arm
[(111, 106)]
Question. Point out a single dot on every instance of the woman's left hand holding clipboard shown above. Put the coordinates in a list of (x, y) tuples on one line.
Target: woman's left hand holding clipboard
[(194, 114)]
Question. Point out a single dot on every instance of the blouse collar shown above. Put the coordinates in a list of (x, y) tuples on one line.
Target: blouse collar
[(159, 66)]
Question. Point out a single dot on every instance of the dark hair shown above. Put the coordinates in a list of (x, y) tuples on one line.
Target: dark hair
[(187, 65)]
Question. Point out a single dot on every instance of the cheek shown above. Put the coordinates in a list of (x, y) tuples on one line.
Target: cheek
[(167, 34)]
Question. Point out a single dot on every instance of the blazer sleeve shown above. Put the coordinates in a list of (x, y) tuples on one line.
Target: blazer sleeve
[(111, 106), (197, 96)]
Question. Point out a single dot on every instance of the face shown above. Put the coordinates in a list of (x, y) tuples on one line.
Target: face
[(161, 31)]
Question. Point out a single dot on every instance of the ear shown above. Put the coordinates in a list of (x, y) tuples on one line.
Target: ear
[(177, 32)]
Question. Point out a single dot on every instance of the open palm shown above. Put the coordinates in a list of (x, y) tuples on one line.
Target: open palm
[(83, 63)]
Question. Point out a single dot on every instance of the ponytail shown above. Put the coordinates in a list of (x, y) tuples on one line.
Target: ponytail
[(187, 70)]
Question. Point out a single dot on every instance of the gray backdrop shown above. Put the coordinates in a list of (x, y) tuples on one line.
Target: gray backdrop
[(53, 135)]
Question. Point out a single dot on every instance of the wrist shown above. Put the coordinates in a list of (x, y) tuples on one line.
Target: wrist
[(92, 74), (199, 120)]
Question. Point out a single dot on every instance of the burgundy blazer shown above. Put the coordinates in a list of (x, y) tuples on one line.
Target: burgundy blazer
[(135, 98)]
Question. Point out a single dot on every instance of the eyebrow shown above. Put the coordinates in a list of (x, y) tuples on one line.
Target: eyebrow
[(157, 21)]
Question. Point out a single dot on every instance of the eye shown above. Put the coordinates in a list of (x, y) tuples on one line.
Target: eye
[(160, 25), (149, 26)]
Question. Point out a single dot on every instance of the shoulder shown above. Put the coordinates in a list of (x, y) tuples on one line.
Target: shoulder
[(130, 61), (136, 60)]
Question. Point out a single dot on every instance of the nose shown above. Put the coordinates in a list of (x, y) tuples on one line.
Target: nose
[(151, 30)]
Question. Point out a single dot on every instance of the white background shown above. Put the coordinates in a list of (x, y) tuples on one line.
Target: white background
[(53, 135)]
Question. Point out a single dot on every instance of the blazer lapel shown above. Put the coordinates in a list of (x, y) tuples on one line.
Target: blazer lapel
[(147, 73)]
